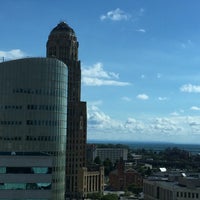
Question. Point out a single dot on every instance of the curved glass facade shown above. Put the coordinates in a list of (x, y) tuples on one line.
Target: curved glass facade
[(33, 111)]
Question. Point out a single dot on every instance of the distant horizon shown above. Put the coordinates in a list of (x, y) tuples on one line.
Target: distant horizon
[(149, 145), (138, 142)]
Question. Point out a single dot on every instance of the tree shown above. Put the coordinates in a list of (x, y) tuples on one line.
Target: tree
[(108, 166), (110, 197), (97, 160), (134, 189), (95, 196)]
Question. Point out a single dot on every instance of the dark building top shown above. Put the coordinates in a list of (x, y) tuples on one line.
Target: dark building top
[(63, 27)]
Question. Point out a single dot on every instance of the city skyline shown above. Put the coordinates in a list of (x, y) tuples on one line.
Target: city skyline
[(140, 62)]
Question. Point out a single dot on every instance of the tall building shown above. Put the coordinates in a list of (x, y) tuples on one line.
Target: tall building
[(62, 44), (33, 122)]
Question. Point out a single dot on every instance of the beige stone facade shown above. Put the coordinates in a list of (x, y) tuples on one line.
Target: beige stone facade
[(91, 181)]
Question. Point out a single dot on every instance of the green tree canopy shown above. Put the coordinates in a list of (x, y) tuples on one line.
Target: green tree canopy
[(110, 197), (97, 160)]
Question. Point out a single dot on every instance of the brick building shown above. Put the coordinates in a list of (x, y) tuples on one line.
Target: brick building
[(123, 176)]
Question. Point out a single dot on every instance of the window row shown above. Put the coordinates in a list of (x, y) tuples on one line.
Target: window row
[(25, 186), (43, 122), (45, 107), (25, 170), (13, 107), (29, 138), (51, 92), (34, 123), (187, 195), (16, 138), (10, 122), (33, 107), (41, 138)]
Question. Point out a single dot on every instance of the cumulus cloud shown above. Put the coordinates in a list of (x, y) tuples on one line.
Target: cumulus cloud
[(195, 108), (119, 15), (173, 128), (143, 96), (97, 117), (115, 15), (194, 125), (133, 124), (190, 88), (12, 54), (97, 76)]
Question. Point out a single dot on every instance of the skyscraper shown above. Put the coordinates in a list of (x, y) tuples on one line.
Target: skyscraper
[(33, 122), (62, 44)]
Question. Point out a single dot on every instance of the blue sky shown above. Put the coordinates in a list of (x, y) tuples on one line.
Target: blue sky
[(140, 61)]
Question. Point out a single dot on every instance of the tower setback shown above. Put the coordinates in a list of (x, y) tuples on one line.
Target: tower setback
[(62, 44)]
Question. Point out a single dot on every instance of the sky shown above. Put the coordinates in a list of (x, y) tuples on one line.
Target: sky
[(140, 61)]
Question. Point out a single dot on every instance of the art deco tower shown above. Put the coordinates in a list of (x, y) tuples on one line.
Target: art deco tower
[(62, 44)]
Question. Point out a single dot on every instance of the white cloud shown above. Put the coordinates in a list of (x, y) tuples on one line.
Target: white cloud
[(173, 129), (12, 54), (174, 114), (97, 71), (190, 88), (97, 76), (115, 15), (162, 98), (142, 96), (195, 108), (96, 116), (141, 30)]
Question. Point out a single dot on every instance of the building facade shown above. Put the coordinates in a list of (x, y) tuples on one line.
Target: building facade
[(33, 116), (25, 175), (172, 187), (91, 180), (113, 154), (122, 177), (62, 44)]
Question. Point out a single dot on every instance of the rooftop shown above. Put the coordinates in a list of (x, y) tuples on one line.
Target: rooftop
[(62, 27)]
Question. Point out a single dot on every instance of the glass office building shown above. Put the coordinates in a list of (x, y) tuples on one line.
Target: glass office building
[(33, 118)]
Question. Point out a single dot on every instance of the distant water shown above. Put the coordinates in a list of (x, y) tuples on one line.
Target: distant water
[(155, 146)]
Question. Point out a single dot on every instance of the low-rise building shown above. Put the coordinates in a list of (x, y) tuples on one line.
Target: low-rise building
[(91, 180), (172, 186), (124, 176), (113, 154)]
